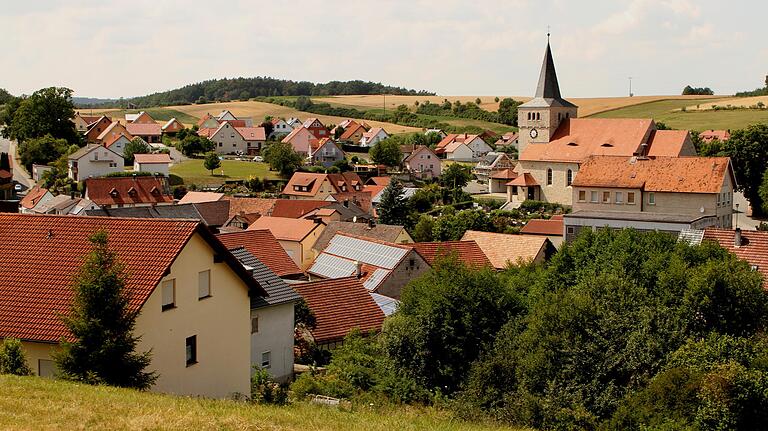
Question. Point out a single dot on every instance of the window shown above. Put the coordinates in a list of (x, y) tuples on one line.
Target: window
[(254, 324), (204, 284), (593, 197), (191, 350), (169, 294), (570, 230), (630, 198), (221, 144), (568, 177), (619, 197), (266, 359), (582, 195), (606, 197), (718, 199), (651, 198), (549, 176)]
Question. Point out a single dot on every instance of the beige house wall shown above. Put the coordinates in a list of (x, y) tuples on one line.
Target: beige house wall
[(155, 168), (558, 191), (275, 335), (228, 140), (546, 125), (322, 194), (403, 274)]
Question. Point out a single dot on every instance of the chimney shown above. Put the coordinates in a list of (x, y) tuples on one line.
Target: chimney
[(737, 237), (358, 269)]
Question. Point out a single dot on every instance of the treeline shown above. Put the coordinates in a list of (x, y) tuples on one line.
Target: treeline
[(619, 330), (507, 113), (229, 89), (5, 96), (756, 92), (705, 91)]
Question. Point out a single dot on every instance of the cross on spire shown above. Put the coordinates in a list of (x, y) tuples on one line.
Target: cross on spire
[(547, 33)]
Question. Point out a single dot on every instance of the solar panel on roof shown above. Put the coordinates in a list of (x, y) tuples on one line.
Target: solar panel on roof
[(388, 305), (332, 266), (691, 236), (383, 256), (376, 279)]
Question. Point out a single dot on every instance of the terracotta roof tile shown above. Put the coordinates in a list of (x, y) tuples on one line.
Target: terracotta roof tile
[(506, 174), (296, 208), (288, 229), (711, 135), (466, 251), (252, 133), (238, 205), (33, 197), (152, 158), (502, 249), (524, 180), (551, 227), (127, 190), (661, 174), (382, 232), (196, 197), (340, 305), (669, 143), (266, 248), (753, 248)]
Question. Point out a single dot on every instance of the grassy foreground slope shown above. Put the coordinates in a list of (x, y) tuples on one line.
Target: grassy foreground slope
[(35, 403), (194, 172)]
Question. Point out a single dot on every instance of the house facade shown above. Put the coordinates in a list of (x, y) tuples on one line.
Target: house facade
[(462, 147), (308, 185), (423, 162), (36, 198), (93, 161), (153, 163), (491, 163), (373, 137), (95, 129), (316, 128), (280, 127), (296, 236), (300, 139), (325, 153), (172, 127), (192, 296), (229, 139)]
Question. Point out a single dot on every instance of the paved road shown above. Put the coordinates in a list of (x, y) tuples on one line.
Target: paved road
[(19, 174)]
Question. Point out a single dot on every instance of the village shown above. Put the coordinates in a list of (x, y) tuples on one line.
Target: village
[(330, 224)]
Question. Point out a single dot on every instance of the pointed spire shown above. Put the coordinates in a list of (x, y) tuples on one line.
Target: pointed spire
[(548, 87)]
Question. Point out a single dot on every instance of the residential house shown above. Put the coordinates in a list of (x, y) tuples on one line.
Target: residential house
[(128, 191), (552, 228), (272, 319), (491, 163), (241, 205), (7, 187), (712, 135), (505, 249), (95, 130), (325, 152), (280, 128), (139, 118), (308, 185), (226, 115), (373, 137), (265, 247), (93, 160), (423, 162), (656, 193), (748, 245), (155, 163), (377, 231), (296, 236), (191, 295), (197, 197), (238, 140), (353, 132), (463, 147), (509, 139), (439, 132), (316, 128), (339, 306), (36, 198), (208, 121), (300, 139), (118, 143), (112, 132), (310, 209), (212, 214), (385, 268), (295, 123), (377, 193), (151, 133), (553, 142), (172, 127), (467, 252), (38, 171), (497, 182), (83, 122), (65, 205)]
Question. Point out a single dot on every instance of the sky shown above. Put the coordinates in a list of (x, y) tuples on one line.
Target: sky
[(113, 49)]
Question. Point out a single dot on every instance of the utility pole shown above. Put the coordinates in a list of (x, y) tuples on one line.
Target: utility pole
[(630, 87), (385, 103)]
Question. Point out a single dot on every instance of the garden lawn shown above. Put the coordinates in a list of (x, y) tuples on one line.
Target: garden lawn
[(193, 172)]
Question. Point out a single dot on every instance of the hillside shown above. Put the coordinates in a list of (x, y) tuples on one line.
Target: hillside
[(35, 403)]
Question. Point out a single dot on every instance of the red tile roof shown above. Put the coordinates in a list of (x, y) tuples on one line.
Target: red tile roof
[(152, 158), (265, 247), (296, 208), (252, 133), (127, 190), (144, 129), (753, 248), (111, 139), (41, 254), (238, 205), (350, 130), (288, 229), (525, 180), (711, 135), (552, 227), (197, 197), (466, 251), (661, 174), (669, 143), (33, 197), (506, 174), (303, 179), (340, 305)]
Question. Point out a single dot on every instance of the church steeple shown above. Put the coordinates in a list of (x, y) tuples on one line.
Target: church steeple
[(548, 87)]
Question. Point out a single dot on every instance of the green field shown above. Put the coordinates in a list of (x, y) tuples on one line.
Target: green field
[(159, 114), (193, 171), (35, 403), (668, 112)]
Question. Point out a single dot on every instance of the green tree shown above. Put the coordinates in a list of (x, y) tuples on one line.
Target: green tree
[(283, 158), (456, 176), (508, 111), (5, 96), (387, 152), (211, 161), (42, 151), (48, 111), (136, 146), (393, 208), (5, 162), (748, 149), (445, 320), (101, 324), (422, 232), (192, 144), (12, 358)]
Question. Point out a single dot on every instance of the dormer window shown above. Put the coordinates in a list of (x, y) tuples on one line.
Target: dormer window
[(573, 144), (114, 193), (131, 192), (607, 145)]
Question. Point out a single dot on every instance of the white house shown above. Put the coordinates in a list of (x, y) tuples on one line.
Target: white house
[(241, 140), (294, 122), (373, 137), (154, 163), (280, 127), (118, 144), (93, 161)]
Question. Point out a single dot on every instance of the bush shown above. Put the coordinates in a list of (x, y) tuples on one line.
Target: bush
[(12, 358), (264, 390), (175, 180)]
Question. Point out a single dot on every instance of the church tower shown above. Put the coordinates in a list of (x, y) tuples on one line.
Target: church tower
[(539, 117)]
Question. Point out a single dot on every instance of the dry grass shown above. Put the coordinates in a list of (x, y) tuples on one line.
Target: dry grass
[(35, 403), (257, 110), (587, 106), (738, 102)]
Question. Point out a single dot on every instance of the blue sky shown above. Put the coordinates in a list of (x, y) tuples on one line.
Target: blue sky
[(128, 48)]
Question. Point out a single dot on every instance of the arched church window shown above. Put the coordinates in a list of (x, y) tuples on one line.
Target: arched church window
[(549, 176), (568, 177)]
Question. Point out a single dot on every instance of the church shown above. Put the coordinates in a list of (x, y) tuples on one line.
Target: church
[(554, 142)]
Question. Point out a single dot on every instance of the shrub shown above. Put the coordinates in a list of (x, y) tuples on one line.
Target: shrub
[(12, 358), (264, 390)]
